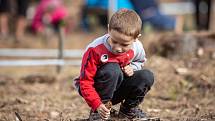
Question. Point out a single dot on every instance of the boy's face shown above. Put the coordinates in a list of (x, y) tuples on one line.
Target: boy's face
[(119, 42)]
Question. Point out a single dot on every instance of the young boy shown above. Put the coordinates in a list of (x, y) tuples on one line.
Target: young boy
[(111, 70)]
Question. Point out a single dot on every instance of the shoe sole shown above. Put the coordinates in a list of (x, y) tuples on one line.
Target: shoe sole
[(123, 117)]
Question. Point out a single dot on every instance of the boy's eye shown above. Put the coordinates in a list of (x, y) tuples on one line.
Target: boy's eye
[(114, 42), (125, 45)]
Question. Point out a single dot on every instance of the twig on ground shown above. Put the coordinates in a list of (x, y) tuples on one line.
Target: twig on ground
[(18, 116)]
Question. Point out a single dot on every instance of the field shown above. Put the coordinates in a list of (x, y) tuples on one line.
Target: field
[(183, 90)]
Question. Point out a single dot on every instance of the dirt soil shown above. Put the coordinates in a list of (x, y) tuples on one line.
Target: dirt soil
[(183, 90)]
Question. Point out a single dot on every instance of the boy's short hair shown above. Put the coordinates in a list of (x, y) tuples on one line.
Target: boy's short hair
[(127, 22)]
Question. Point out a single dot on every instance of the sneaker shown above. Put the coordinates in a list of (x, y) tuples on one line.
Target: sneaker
[(131, 113)]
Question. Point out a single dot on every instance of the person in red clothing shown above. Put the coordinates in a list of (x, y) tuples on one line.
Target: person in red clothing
[(49, 12), (112, 69)]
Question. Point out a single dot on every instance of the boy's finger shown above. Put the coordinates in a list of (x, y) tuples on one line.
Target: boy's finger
[(104, 110), (104, 115), (126, 67), (130, 73)]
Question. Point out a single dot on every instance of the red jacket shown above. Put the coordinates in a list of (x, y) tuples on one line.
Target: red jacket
[(97, 54)]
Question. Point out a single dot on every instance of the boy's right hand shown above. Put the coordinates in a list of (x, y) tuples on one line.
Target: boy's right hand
[(128, 70), (103, 112)]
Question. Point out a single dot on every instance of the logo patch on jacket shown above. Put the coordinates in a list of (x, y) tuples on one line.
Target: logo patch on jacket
[(104, 58)]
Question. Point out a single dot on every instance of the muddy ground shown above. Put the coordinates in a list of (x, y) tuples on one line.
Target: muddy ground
[(183, 90)]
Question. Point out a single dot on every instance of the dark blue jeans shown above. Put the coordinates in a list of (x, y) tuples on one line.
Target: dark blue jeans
[(112, 84)]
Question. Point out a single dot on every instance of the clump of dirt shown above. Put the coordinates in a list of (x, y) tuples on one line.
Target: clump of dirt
[(178, 45), (4, 79), (38, 79)]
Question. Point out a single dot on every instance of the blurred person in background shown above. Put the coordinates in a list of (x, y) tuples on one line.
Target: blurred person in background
[(99, 8), (49, 13), (5, 8), (150, 13), (202, 13), (147, 9)]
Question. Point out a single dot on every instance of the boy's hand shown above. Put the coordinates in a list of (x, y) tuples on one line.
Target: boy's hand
[(103, 112), (128, 70)]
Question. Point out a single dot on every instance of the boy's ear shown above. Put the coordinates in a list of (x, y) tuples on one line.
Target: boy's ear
[(137, 37)]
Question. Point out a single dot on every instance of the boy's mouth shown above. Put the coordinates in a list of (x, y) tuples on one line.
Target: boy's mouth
[(117, 52)]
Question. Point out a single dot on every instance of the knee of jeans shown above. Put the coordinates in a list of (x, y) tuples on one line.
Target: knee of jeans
[(112, 70), (148, 78), (138, 90)]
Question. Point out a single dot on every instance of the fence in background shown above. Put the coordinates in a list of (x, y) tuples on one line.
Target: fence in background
[(177, 8), (50, 53), (72, 55)]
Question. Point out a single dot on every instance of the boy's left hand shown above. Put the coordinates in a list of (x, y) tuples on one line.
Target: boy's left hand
[(128, 70)]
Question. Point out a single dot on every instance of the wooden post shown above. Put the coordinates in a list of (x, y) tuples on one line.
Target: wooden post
[(61, 39), (179, 24)]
